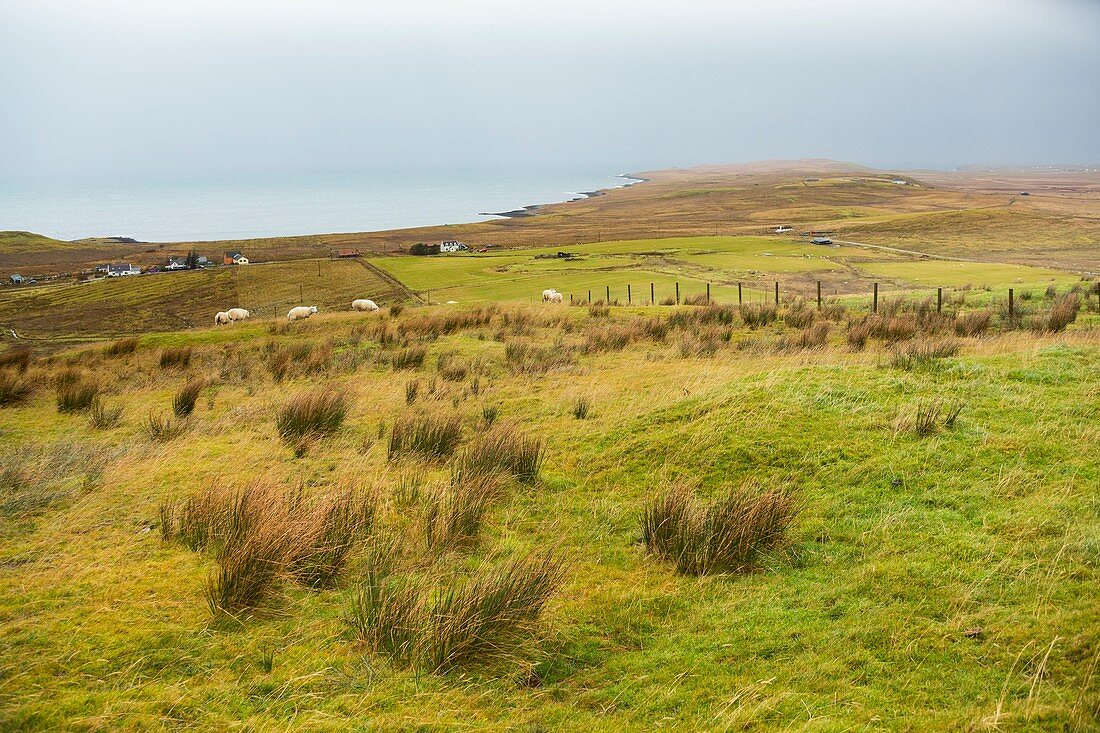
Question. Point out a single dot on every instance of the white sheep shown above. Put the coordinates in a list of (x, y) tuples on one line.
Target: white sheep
[(556, 298), (220, 318), (237, 314), (548, 295), (297, 314), (363, 304)]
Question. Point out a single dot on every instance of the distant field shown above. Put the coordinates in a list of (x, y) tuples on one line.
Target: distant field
[(179, 300), (756, 262)]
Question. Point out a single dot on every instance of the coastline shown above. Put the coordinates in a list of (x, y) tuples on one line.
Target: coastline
[(532, 209)]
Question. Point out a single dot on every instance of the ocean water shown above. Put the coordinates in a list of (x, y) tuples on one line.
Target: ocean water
[(267, 206)]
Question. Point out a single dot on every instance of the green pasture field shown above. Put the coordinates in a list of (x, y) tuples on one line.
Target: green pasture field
[(693, 262), (938, 583)]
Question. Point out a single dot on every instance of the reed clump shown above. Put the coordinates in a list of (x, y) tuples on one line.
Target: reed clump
[(727, 535)]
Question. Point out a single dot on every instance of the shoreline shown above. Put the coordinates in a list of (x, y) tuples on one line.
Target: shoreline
[(532, 209)]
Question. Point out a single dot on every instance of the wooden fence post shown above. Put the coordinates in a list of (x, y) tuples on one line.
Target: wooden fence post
[(608, 299), (819, 295), (739, 300), (1011, 305), (874, 303), (939, 300), (589, 296), (708, 293), (777, 292), (628, 293), (677, 293), (651, 300)]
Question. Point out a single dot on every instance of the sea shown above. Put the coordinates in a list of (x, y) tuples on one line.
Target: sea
[(272, 206)]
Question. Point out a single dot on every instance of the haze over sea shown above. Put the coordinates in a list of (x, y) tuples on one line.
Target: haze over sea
[(271, 206)]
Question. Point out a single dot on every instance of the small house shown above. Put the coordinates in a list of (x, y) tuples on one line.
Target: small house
[(176, 263), (17, 279), (899, 181), (783, 229), (122, 269), (347, 253), (234, 258), (821, 240), (452, 245)]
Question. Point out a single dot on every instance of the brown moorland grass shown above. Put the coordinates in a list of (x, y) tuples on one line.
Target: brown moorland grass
[(429, 435), (312, 414)]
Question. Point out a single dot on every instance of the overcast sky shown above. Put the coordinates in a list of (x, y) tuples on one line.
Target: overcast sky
[(133, 88)]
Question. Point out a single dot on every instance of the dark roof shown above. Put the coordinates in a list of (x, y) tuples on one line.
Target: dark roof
[(233, 254)]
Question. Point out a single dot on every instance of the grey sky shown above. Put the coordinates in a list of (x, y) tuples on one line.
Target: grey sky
[(131, 88)]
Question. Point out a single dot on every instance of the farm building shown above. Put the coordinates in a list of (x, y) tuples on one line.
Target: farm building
[(234, 258), (821, 240), (176, 263), (347, 253), (17, 280), (122, 269), (452, 245)]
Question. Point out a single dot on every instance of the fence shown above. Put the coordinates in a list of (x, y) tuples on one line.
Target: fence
[(772, 293)]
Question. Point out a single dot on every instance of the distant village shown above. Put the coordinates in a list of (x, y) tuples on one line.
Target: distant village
[(191, 261), (195, 261)]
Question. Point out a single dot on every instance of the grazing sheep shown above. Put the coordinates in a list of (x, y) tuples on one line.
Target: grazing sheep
[(452, 302), (221, 317), (363, 305), (548, 295), (555, 298), (297, 314), (237, 314)]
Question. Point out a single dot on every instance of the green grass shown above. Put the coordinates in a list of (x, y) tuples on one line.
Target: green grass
[(756, 262), (944, 581)]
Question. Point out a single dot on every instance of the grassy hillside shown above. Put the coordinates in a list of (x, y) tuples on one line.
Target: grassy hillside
[(178, 300), (940, 571)]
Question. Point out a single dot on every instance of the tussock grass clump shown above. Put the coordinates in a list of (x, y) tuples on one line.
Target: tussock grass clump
[(928, 417), (727, 535), (703, 341), (121, 347), (1062, 313), (412, 389), (581, 407), (813, 337), (102, 417), (489, 415), (974, 323), (175, 356), (488, 617), (411, 357), (264, 535), (599, 310), (613, 337), (183, 402), (250, 567), (454, 514), (799, 315), (754, 315), (670, 300), (76, 396), (697, 299), (14, 390), (453, 372), (504, 449), (530, 359), (428, 435), (709, 315), (327, 534), (920, 354), (312, 414), (386, 616), (161, 429), (16, 357)]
